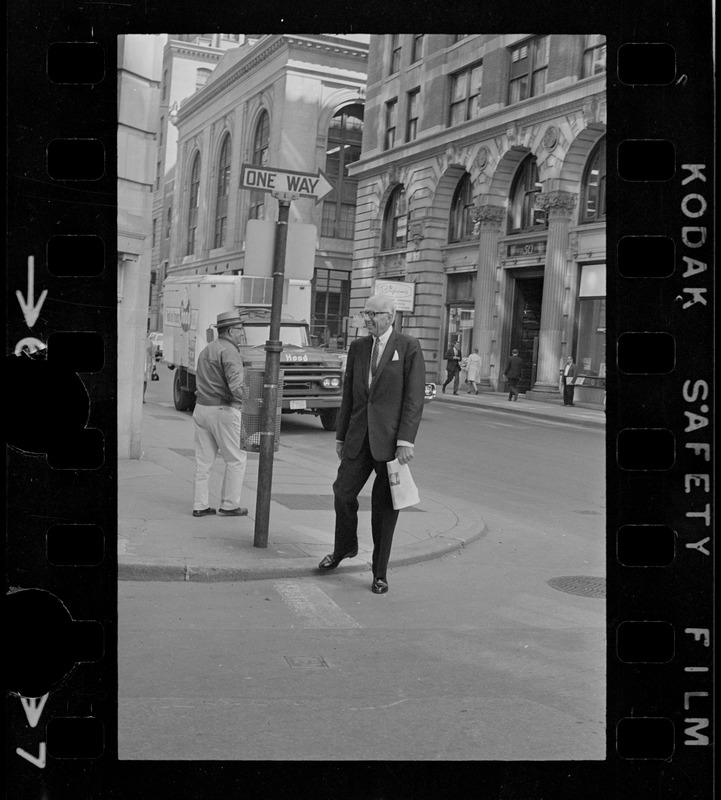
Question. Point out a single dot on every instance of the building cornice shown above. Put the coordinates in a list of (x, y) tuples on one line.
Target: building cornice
[(206, 51), (261, 52)]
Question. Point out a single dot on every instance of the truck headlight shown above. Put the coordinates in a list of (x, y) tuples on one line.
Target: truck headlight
[(331, 383)]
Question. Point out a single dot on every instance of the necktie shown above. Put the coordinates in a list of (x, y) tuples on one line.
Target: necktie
[(374, 357)]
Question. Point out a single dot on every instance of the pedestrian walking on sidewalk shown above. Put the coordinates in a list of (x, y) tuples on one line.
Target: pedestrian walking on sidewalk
[(383, 395), (568, 376), (453, 367), (217, 418), (149, 363), (473, 370), (512, 374)]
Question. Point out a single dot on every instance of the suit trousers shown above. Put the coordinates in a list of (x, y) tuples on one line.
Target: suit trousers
[(353, 474), (568, 389), (217, 429), (453, 375)]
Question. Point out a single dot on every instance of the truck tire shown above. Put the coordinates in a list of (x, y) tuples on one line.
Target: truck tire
[(182, 398), (329, 418)]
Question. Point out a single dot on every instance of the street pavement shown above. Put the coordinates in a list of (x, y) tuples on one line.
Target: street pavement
[(160, 540)]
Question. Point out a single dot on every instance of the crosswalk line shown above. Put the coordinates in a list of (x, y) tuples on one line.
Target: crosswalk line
[(313, 605)]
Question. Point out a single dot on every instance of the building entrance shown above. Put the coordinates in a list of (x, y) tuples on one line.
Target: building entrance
[(525, 325)]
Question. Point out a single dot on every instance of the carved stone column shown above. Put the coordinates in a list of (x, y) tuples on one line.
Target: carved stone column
[(488, 220), (559, 206)]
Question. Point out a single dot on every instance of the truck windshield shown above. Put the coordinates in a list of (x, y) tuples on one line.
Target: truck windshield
[(289, 334)]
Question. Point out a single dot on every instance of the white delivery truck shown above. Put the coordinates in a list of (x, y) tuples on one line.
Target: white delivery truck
[(312, 378)]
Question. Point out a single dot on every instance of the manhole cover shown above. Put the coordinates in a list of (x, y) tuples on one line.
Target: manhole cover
[(584, 585)]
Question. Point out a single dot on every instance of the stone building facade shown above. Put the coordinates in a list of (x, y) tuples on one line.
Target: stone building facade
[(188, 60), (482, 183), (292, 102), (138, 77)]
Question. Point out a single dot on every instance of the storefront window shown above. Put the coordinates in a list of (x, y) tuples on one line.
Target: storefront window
[(591, 340), (460, 310)]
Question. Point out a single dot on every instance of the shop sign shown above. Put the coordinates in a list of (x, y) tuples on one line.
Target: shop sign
[(526, 249), (402, 294)]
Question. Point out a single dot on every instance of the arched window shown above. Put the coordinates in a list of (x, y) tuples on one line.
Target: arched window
[(193, 201), (461, 222), (344, 147), (259, 157), (221, 198), (594, 185), (523, 214), (394, 230)]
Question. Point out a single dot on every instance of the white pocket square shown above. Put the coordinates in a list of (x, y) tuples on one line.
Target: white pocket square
[(395, 356)]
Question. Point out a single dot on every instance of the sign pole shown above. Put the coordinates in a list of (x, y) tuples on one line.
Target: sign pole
[(273, 348)]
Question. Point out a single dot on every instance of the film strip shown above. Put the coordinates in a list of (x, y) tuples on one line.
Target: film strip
[(61, 482)]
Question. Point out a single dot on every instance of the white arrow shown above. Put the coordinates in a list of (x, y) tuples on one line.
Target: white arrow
[(324, 186), (30, 310), (33, 708), (38, 760)]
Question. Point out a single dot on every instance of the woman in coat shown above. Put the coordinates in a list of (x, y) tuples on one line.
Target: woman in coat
[(473, 370)]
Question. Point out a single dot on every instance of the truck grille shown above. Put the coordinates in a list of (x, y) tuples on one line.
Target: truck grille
[(304, 383)]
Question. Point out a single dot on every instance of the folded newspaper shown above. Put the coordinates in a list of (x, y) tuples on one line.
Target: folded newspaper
[(403, 488)]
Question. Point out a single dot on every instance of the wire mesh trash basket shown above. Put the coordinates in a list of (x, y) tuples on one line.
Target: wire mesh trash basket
[(252, 411)]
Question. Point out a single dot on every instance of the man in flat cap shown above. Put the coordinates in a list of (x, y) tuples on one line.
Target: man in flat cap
[(218, 399)]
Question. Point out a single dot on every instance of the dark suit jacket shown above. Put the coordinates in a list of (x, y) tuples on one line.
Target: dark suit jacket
[(391, 409), (452, 360), (513, 368), (567, 380)]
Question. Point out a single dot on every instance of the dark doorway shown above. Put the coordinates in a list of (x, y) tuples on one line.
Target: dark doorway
[(525, 325)]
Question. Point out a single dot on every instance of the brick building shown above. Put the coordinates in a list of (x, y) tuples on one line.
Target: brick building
[(482, 183)]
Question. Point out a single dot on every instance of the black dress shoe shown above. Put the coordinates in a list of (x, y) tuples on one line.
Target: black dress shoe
[(380, 586), (331, 561), (233, 512), (203, 512)]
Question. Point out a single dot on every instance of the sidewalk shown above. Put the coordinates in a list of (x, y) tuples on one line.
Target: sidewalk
[(551, 408), (160, 540)]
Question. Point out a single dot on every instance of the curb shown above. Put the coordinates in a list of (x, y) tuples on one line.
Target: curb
[(587, 423), (265, 569)]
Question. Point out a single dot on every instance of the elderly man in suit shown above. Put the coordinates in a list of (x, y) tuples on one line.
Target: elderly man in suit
[(568, 375), (378, 420)]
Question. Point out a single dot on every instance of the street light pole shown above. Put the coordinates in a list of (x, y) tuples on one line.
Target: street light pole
[(273, 348)]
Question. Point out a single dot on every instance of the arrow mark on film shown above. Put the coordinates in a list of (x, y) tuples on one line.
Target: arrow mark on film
[(31, 311)]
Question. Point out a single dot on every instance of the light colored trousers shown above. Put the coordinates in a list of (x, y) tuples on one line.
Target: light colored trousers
[(217, 428)]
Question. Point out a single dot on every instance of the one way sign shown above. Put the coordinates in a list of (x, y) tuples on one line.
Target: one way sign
[(285, 182)]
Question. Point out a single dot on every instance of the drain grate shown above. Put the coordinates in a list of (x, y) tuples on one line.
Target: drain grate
[(584, 585), (306, 661)]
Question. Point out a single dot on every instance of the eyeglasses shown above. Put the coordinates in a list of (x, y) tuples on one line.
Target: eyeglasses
[(372, 314)]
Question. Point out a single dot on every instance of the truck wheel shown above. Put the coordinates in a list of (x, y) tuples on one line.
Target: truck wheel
[(182, 398), (329, 418)]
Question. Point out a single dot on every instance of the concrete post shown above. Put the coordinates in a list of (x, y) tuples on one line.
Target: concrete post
[(488, 219), (559, 206)]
